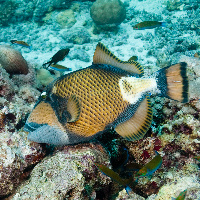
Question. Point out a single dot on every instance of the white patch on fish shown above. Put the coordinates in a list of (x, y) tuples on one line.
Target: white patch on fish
[(133, 88)]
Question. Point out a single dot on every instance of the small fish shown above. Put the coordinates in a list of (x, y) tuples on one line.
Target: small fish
[(21, 43), (196, 55), (134, 58), (197, 158), (149, 25), (150, 167), (59, 68), (115, 176), (60, 55), (181, 196), (132, 167), (110, 94)]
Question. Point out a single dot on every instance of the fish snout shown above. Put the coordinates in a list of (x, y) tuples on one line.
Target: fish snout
[(43, 133)]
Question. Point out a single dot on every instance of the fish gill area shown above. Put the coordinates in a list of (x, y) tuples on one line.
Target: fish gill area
[(29, 170)]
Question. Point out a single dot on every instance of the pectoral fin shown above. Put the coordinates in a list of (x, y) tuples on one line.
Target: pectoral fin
[(67, 110), (74, 108)]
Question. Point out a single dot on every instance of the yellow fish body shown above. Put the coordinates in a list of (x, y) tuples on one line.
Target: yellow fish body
[(108, 94)]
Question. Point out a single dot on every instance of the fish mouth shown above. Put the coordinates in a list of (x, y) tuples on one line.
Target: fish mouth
[(43, 133)]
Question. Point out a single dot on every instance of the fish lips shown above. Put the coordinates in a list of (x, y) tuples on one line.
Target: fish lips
[(43, 133)]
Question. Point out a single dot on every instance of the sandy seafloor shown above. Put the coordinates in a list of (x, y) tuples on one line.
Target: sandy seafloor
[(154, 48)]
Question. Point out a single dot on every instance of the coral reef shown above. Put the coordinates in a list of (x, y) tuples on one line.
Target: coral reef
[(113, 12), (18, 156), (80, 54), (22, 10), (7, 87), (70, 174), (7, 11), (173, 5), (51, 25), (78, 35), (12, 61)]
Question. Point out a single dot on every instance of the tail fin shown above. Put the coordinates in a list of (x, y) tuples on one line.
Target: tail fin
[(128, 189), (173, 82), (164, 24)]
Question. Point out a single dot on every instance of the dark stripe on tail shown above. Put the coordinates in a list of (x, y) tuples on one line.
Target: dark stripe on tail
[(173, 82), (185, 81)]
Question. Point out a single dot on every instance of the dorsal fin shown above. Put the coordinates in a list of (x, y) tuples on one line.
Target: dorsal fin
[(136, 127), (74, 108), (104, 56)]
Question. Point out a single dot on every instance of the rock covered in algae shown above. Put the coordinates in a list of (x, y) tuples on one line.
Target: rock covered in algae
[(69, 174), (17, 154), (17, 157), (66, 18), (113, 12)]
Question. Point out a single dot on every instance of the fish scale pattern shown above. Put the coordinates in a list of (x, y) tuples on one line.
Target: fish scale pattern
[(99, 95), (41, 115)]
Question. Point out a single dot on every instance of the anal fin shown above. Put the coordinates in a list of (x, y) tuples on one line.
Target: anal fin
[(74, 108), (136, 127)]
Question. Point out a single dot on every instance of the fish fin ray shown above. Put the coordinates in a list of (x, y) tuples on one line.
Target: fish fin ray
[(104, 56), (133, 128), (74, 108), (173, 82)]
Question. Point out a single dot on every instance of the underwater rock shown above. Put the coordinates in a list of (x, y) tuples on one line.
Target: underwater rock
[(76, 35), (7, 87), (17, 155), (12, 60), (66, 18), (17, 158), (24, 79), (174, 5), (28, 93), (108, 12), (69, 174), (79, 54), (42, 7), (181, 182), (7, 11), (18, 11)]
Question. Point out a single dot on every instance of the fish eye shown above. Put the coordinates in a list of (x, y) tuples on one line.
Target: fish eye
[(43, 95)]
